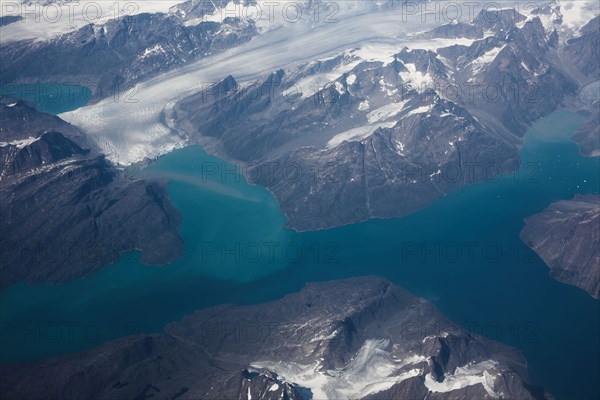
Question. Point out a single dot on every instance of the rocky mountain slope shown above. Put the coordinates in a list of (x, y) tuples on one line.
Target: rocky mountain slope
[(584, 50), (65, 210), (588, 134), (361, 338), (566, 235)]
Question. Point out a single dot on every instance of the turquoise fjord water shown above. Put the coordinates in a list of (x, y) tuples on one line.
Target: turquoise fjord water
[(50, 98), (463, 253)]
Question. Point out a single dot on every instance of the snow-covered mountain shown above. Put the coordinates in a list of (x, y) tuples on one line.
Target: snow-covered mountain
[(389, 134), (361, 338)]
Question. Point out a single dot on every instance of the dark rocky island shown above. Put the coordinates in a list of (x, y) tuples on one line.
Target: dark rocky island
[(362, 338), (65, 210), (566, 235)]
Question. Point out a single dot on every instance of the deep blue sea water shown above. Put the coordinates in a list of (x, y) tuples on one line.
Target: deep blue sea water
[(463, 253)]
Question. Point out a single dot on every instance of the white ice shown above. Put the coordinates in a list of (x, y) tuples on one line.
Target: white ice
[(486, 58), (421, 81), (386, 112), (358, 133)]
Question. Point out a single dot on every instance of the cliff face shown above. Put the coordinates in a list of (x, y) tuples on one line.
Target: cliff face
[(357, 338), (566, 235), (588, 134), (583, 52), (65, 210)]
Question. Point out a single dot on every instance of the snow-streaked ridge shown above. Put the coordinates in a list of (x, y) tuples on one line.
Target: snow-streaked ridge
[(20, 143), (372, 370)]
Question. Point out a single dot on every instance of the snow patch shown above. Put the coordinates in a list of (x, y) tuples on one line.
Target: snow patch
[(20, 143), (340, 88), (274, 388), (377, 52), (399, 147), (314, 83), (358, 133), (420, 110), (468, 375), (416, 78), (438, 43), (153, 50), (321, 338), (486, 58), (350, 79), (385, 112)]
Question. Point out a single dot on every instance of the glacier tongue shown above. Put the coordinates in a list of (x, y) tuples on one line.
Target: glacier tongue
[(129, 131)]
